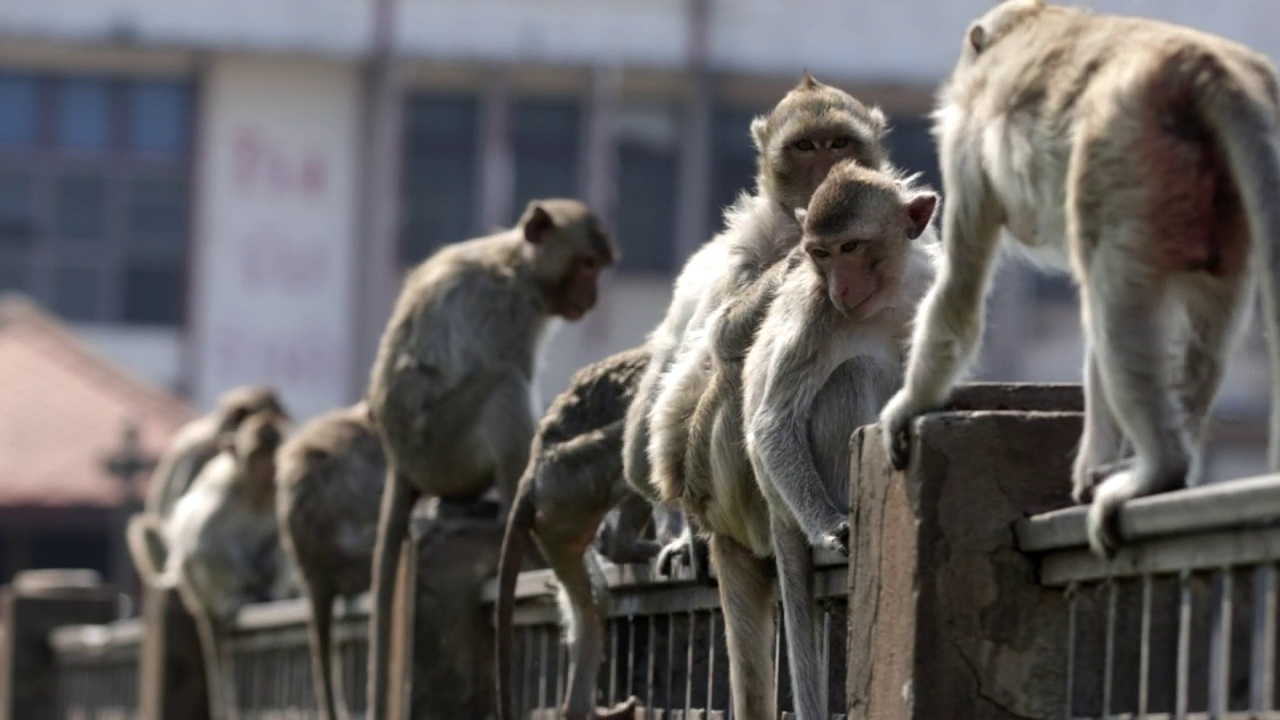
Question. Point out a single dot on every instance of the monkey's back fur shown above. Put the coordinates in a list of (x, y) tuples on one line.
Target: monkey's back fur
[(330, 482), (598, 394)]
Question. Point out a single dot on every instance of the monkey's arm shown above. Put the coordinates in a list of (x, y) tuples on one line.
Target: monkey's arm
[(778, 443), (950, 319)]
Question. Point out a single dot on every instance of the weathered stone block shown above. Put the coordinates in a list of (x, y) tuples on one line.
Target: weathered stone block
[(946, 617)]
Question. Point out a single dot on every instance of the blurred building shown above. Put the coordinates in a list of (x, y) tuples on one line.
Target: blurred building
[(216, 193)]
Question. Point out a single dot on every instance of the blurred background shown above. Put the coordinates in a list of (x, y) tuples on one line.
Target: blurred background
[(196, 194)]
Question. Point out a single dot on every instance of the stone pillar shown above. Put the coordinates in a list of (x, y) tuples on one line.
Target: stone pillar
[(946, 616), (171, 677), (36, 603)]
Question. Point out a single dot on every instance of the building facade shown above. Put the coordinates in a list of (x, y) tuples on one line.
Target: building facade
[(225, 192)]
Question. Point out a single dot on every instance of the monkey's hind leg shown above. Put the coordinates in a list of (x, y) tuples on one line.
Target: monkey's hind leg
[(1124, 320), (584, 632), (747, 598), (626, 543), (1101, 440)]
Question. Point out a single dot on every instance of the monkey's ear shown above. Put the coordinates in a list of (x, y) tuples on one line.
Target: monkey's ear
[(758, 125), (919, 212), (536, 222), (801, 214), (806, 81), (977, 37)]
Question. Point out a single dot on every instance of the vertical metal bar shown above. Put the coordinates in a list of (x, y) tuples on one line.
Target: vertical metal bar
[(825, 685), (1263, 652), (526, 671), (631, 655), (1144, 649), (712, 648), (648, 690), (562, 668), (1184, 645), (1108, 665), (1072, 591), (611, 627), (1220, 643), (778, 640), (669, 690), (688, 663), (542, 668)]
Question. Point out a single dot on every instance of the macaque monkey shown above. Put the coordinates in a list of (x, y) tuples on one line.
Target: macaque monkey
[(813, 127), (199, 440), (1143, 157), (450, 386), (573, 478), (328, 492), (220, 547)]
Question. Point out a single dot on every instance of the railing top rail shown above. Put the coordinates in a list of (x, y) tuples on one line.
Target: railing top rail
[(1235, 504), (294, 612), (95, 639)]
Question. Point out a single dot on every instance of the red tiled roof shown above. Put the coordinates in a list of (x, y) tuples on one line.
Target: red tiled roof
[(63, 410)]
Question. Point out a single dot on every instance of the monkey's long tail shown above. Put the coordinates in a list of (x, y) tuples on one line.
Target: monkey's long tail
[(1250, 134), (514, 544), (148, 550)]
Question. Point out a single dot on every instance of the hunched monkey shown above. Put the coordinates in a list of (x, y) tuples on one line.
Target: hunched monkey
[(220, 546), (199, 440), (828, 355), (574, 477), (450, 386), (812, 127), (329, 481), (1143, 157)]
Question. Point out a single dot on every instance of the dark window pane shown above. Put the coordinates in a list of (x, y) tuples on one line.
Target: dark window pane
[(75, 293), (81, 207), (439, 174), (158, 209), (733, 161), (546, 149), (71, 549), (159, 116), (911, 147), (647, 178), (17, 219), (84, 114), (19, 110), (13, 276), (154, 293)]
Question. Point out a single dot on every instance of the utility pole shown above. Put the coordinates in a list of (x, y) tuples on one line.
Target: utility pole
[(695, 155), (128, 464)]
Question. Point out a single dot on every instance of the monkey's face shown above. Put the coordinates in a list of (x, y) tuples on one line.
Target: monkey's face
[(814, 127), (255, 445), (239, 403), (571, 250)]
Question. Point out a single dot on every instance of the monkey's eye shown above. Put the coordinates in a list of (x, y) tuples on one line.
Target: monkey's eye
[(849, 247), (819, 253), (804, 144), (840, 142)]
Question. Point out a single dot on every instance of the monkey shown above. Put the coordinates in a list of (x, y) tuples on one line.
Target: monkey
[(814, 126), (329, 481), (573, 478), (828, 354), (1142, 157), (198, 441), (463, 337), (219, 548)]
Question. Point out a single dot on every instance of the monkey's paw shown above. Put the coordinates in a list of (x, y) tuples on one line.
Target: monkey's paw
[(837, 539), (690, 552), (1087, 479), (895, 430), (624, 710)]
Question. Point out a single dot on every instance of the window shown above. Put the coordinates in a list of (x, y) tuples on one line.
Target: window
[(440, 173), (94, 195), (733, 160), (547, 134), (648, 174)]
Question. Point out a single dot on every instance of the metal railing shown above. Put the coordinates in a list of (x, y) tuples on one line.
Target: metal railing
[(665, 644), (1182, 622), (97, 669)]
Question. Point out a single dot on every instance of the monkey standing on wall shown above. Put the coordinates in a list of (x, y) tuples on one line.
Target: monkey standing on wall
[(573, 479), (329, 488), (450, 387), (1143, 156), (813, 127), (220, 546)]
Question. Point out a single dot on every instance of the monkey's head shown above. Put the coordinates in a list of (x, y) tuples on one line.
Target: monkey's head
[(988, 29), (857, 233), (238, 403), (812, 128), (254, 446), (570, 248)]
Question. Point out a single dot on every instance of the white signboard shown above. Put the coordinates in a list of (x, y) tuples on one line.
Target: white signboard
[(276, 202)]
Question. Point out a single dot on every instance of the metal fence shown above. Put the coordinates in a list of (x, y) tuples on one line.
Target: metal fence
[(97, 670), (666, 644), (1182, 622)]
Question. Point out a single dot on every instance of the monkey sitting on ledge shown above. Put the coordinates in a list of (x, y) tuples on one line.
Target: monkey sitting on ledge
[(220, 547)]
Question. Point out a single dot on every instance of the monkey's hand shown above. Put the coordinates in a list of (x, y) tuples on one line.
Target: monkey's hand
[(688, 550), (895, 424), (836, 539)]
